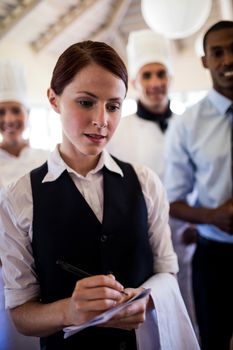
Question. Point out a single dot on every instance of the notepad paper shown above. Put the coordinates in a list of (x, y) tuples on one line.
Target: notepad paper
[(105, 316)]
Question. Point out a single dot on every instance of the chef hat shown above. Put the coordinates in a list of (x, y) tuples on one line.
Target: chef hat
[(12, 82), (146, 46)]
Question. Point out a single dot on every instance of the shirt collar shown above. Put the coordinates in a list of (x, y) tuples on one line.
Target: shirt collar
[(56, 166), (110, 163), (220, 102)]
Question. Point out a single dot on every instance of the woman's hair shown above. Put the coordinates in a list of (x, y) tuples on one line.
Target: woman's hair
[(80, 55)]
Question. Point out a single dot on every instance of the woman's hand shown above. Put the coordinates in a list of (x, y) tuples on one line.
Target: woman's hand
[(133, 315), (92, 296)]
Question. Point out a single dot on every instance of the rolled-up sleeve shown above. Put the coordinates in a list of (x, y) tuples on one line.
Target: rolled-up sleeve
[(20, 280)]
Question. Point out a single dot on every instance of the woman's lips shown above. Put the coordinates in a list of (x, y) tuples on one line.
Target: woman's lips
[(95, 137)]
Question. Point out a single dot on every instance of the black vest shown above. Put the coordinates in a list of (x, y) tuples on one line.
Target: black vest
[(65, 227)]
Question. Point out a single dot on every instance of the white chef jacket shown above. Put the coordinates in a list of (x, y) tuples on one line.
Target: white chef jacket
[(12, 167), (141, 141)]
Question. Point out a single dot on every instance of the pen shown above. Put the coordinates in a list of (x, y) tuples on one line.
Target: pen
[(76, 271), (73, 269)]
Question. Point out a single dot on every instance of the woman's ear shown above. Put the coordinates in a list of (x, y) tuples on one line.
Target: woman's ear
[(53, 100)]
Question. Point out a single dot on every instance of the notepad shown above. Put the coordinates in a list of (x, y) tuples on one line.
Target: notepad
[(105, 316)]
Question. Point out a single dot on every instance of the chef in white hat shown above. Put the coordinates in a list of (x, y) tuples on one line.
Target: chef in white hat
[(140, 137), (16, 156), (16, 159)]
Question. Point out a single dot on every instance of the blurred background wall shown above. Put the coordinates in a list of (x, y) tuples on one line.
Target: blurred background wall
[(35, 32)]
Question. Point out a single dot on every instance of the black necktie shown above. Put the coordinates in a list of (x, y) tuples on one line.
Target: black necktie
[(230, 113)]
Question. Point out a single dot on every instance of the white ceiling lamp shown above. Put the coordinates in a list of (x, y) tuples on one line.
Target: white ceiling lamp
[(176, 19)]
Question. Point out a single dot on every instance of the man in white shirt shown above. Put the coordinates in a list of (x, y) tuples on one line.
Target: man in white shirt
[(200, 157)]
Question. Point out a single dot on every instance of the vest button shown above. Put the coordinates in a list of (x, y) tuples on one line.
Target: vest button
[(123, 346), (104, 238)]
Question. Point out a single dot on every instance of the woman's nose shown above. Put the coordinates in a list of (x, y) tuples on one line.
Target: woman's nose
[(100, 126), (101, 118)]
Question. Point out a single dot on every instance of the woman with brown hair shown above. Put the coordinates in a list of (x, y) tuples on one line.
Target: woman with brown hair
[(89, 210)]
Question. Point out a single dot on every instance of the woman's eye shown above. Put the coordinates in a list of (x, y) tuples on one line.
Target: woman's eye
[(113, 108), (86, 103)]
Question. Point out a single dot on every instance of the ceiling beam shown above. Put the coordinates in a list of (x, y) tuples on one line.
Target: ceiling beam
[(15, 15), (120, 45), (107, 32), (63, 22)]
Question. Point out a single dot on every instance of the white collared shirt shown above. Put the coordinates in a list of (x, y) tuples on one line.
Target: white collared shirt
[(199, 157), (16, 208)]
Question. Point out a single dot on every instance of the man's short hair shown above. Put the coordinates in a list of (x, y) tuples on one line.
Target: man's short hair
[(217, 26)]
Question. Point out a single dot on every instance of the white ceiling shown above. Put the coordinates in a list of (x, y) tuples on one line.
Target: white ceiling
[(52, 25)]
